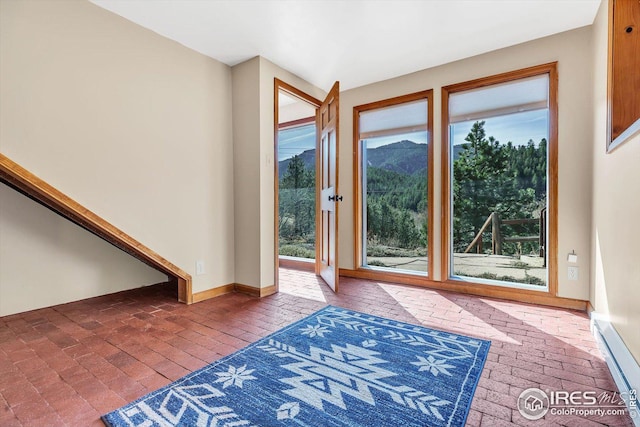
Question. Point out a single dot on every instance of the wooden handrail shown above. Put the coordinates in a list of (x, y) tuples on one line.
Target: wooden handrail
[(35, 188), (497, 239), (519, 221), (521, 239), (478, 239)]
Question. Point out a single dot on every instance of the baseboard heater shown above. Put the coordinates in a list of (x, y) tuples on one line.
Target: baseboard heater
[(623, 366)]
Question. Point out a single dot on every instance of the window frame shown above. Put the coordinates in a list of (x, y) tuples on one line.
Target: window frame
[(552, 158), (297, 123), (357, 189)]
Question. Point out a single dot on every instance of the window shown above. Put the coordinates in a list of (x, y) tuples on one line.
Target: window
[(500, 179), (392, 184)]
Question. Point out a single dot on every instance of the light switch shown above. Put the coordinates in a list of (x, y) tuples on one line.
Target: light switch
[(199, 268)]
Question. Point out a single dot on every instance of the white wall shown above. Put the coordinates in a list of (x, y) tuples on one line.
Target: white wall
[(615, 232), (253, 126), (572, 51), (128, 123), (296, 111), (47, 260)]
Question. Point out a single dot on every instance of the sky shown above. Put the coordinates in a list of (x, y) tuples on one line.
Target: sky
[(517, 128), (296, 140), (417, 137)]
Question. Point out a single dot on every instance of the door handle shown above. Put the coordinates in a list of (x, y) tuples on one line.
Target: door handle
[(335, 198)]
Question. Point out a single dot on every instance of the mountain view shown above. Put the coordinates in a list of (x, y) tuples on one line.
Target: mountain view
[(396, 200), (404, 157), (488, 177)]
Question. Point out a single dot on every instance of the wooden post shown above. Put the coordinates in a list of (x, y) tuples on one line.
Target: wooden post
[(183, 295), (496, 236), (493, 234)]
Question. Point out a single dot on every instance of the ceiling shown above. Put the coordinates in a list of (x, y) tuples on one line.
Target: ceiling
[(354, 41)]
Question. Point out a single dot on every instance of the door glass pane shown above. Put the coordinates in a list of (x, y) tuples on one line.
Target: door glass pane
[(499, 185), (394, 187)]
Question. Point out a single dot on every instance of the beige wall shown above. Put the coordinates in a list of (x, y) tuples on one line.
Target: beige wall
[(47, 260), (572, 51), (253, 126), (130, 124), (246, 169), (615, 233)]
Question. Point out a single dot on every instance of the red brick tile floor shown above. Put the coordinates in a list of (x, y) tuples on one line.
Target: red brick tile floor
[(69, 364)]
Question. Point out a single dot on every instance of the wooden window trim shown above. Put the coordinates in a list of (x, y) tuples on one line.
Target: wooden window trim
[(552, 243), (357, 187), (296, 123)]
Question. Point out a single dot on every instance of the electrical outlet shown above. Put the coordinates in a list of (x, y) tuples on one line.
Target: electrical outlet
[(199, 268), (572, 273)]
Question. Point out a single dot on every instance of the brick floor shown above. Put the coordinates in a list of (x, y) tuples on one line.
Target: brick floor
[(69, 364)]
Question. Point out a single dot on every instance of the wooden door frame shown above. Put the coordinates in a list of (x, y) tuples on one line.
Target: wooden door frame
[(426, 95), (279, 85), (533, 296)]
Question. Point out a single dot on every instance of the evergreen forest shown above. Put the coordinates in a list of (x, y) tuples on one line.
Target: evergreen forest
[(488, 177)]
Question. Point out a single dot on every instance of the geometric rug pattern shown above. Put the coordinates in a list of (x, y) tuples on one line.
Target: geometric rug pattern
[(336, 367)]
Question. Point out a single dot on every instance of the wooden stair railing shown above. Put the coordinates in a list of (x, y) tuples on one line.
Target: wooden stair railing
[(497, 239), (35, 188)]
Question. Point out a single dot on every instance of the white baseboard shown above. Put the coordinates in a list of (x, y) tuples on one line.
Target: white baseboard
[(624, 368)]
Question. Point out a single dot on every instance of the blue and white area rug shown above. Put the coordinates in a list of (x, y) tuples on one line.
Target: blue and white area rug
[(334, 368)]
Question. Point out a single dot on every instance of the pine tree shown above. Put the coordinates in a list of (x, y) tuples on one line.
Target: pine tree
[(490, 177), (297, 200)]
